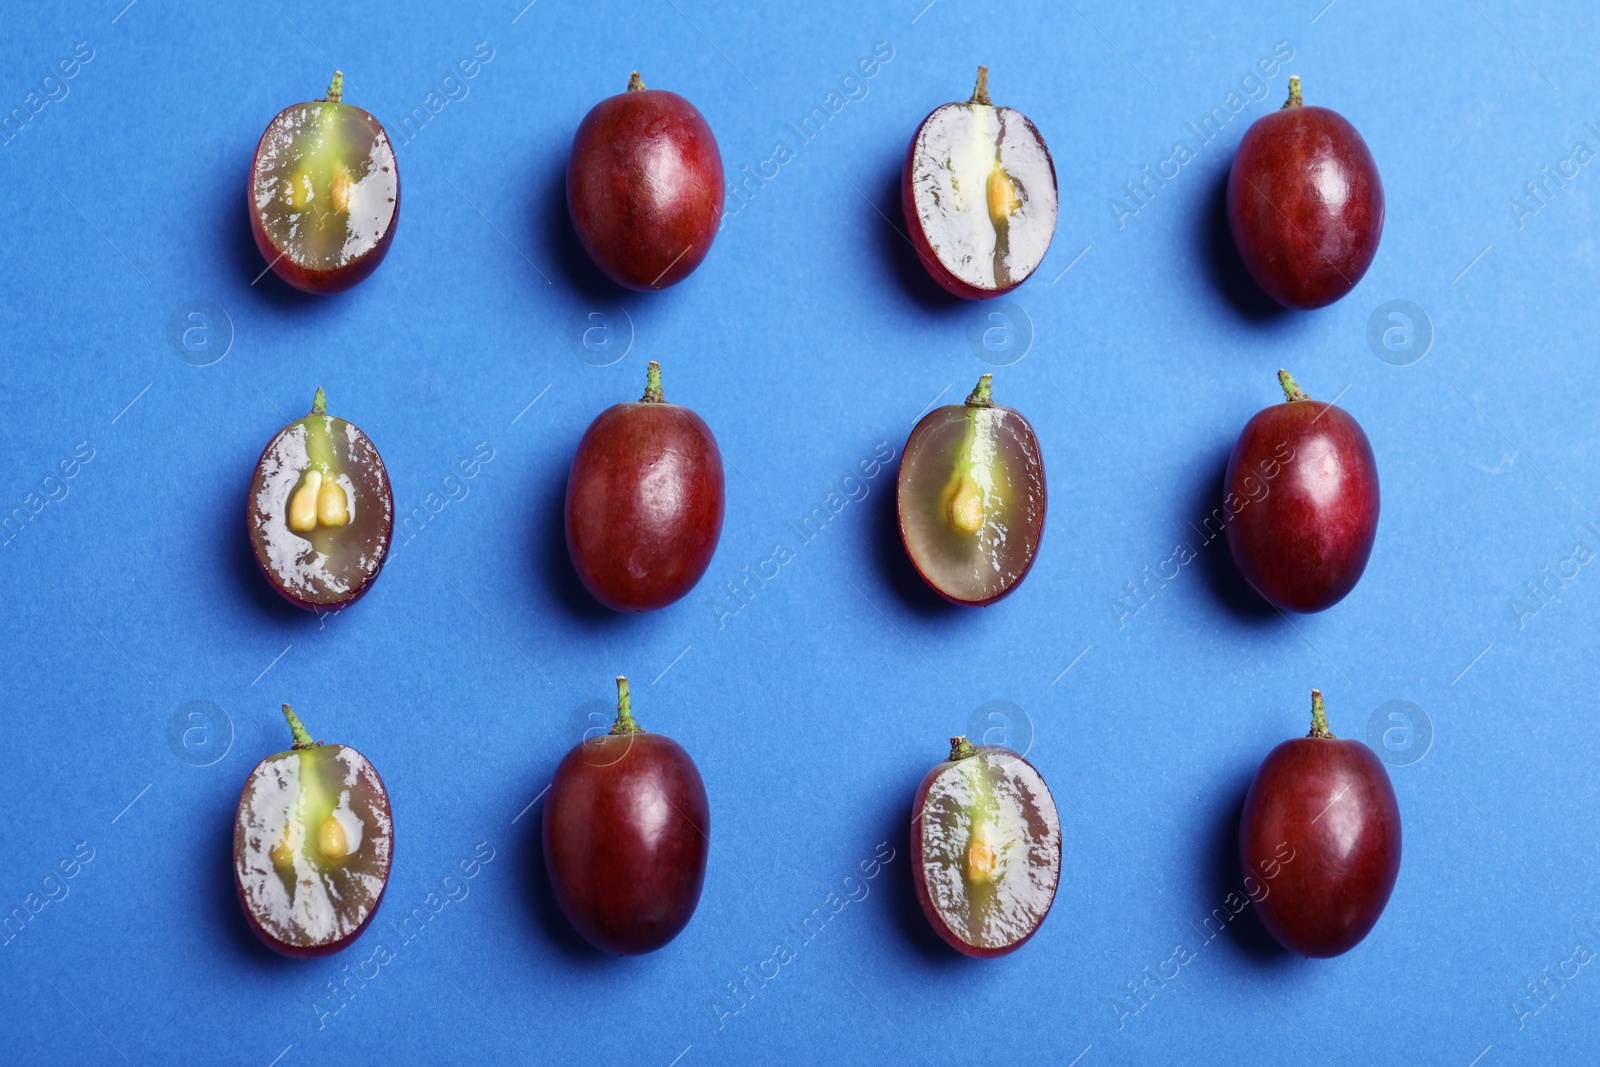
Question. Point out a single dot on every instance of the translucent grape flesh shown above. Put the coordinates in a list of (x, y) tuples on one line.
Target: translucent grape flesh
[(998, 799), (294, 893)]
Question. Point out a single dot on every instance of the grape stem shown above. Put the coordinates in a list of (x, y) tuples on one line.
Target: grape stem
[(625, 723), (1291, 388), (1295, 99), (302, 739), (652, 385), (980, 92), (319, 402), (635, 83), (336, 88), (982, 395), (961, 748), (1319, 718)]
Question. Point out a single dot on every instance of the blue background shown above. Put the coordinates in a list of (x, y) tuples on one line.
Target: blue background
[(806, 338)]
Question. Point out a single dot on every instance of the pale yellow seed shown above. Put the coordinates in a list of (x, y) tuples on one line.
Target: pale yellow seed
[(283, 852), (342, 188), (1003, 198), (331, 841), (964, 512), (980, 862), (303, 505), (298, 191), (332, 507)]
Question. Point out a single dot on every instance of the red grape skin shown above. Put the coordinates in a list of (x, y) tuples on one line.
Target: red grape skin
[(626, 834), (644, 504), (645, 187), (1305, 204), (1331, 802), (1306, 542)]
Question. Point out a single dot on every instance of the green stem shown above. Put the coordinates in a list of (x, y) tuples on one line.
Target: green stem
[(302, 739), (1291, 388), (319, 435), (1295, 100), (981, 395), (336, 88), (635, 83), (652, 385), (961, 748), (625, 723), (1319, 717), (980, 93)]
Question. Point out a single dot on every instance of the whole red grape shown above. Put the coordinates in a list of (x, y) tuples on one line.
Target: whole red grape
[(644, 186), (1302, 489), (1305, 204), (626, 833), (1320, 835), (644, 502)]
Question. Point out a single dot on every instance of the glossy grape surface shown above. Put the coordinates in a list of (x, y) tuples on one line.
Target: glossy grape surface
[(978, 191), (1305, 204), (1302, 489), (985, 849), (312, 847), (324, 194), (972, 500), (332, 563), (626, 834), (644, 505), (644, 187), (1321, 833)]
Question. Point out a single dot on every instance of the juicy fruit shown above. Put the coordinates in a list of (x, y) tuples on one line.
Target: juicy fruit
[(1321, 826), (320, 512), (1302, 491), (626, 834), (644, 186), (324, 193), (972, 498), (313, 842), (985, 849), (1305, 204), (644, 502), (979, 195)]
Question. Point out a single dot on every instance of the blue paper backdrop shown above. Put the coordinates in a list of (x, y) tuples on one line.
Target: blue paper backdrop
[(809, 341)]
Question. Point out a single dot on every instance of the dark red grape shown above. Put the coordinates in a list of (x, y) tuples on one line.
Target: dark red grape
[(978, 191), (324, 193), (320, 512), (1320, 836), (313, 843), (644, 186), (971, 498), (1302, 484), (1305, 204), (644, 502), (626, 832), (985, 849)]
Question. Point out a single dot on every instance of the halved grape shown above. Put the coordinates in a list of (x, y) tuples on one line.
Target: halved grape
[(320, 511), (985, 849), (972, 498), (324, 193), (312, 846)]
